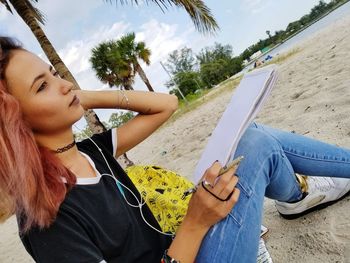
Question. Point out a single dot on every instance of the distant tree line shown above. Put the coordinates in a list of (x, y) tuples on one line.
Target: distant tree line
[(192, 73), (280, 36)]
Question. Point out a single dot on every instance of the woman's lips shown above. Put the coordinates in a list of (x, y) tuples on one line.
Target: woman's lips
[(75, 101)]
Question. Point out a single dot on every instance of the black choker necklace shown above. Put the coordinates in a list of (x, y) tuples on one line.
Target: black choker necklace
[(65, 148)]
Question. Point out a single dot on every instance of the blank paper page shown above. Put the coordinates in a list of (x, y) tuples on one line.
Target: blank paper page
[(245, 103)]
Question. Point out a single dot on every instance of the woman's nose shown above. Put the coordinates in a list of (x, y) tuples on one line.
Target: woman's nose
[(66, 86)]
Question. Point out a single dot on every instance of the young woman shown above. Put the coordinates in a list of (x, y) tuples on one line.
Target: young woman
[(74, 203)]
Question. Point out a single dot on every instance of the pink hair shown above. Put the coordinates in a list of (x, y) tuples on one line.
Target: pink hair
[(31, 177)]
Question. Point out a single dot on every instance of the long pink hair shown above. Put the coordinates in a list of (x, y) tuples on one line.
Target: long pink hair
[(33, 181)]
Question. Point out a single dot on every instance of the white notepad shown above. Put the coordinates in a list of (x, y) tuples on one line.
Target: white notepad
[(245, 103)]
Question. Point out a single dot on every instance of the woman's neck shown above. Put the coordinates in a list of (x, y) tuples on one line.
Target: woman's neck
[(57, 141)]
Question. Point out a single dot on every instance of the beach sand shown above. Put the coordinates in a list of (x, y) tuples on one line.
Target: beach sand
[(311, 97)]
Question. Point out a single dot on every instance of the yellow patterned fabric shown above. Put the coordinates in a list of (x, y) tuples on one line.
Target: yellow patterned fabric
[(163, 191)]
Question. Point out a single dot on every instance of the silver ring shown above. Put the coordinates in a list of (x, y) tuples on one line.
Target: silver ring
[(206, 183)]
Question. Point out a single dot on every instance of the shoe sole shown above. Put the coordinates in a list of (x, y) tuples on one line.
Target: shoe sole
[(312, 209)]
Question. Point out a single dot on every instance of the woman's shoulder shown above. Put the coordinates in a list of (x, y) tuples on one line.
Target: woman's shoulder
[(105, 141)]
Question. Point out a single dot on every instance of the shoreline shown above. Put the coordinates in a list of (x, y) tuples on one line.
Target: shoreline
[(248, 66)]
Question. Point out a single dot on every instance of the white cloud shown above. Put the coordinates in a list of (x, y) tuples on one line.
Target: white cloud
[(161, 38), (76, 53), (254, 6), (252, 3)]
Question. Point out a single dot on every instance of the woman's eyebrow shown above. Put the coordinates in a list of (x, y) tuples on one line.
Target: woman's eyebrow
[(40, 76)]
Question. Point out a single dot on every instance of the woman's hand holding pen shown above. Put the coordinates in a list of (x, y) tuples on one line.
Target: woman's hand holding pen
[(214, 198)]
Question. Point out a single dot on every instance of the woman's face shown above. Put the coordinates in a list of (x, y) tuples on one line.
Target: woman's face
[(44, 97)]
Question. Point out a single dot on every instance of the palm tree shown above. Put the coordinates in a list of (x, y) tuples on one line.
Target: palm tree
[(117, 62), (133, 51), (268, 33), (110, 66), (198, 11)]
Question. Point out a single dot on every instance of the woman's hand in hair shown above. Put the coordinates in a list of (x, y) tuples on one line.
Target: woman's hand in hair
[(81, 94)]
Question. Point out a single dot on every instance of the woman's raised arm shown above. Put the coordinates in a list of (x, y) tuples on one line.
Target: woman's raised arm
[(153, 108)]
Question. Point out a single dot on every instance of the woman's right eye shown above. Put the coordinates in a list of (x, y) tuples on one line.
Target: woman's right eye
[(56, 74), (42, 86)]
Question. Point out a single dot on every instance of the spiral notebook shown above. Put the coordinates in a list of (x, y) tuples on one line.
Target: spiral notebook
[(245, 103)]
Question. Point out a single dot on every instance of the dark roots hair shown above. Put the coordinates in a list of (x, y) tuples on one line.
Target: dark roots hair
[(7, 44)]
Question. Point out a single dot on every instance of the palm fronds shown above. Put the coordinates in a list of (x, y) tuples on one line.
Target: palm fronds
[(199, 13)]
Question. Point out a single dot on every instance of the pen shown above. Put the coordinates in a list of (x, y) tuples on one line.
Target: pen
[(221, 172), (230, 165)]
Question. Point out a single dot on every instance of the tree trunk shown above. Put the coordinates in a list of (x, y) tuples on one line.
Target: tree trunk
[(26, 14), (143, 76)]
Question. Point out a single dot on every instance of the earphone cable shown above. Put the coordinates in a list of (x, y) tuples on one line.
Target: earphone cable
[(141, 202)]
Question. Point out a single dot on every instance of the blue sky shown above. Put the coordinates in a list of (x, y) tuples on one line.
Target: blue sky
[(75, 27)]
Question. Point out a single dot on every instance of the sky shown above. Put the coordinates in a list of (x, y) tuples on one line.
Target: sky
[(75, 27)]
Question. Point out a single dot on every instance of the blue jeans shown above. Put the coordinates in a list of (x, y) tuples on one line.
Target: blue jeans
[(272, 157)]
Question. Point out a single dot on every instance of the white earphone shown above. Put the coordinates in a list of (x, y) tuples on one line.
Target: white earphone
[(140, 202)]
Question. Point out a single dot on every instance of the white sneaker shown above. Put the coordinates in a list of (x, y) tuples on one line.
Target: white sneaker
[(322, 192)]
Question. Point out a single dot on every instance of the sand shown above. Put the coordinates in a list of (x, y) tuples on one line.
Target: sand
[(311, 97)]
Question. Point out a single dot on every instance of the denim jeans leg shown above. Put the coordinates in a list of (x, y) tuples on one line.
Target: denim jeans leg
[(236, 238), (311, 157), (271, 158)]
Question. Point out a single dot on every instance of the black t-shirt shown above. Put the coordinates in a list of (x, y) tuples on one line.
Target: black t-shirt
[(94, 223)]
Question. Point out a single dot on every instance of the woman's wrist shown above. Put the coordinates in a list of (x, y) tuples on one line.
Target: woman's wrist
[(90, 99), (124, 102), (83, 98), (138, 101), (187, 241), (193, 226)]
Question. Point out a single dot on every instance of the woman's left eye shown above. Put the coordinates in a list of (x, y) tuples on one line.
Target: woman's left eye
[(56, 74)]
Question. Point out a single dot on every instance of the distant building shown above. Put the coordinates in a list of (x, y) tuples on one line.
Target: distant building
[(256, 55), (265, 49)]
